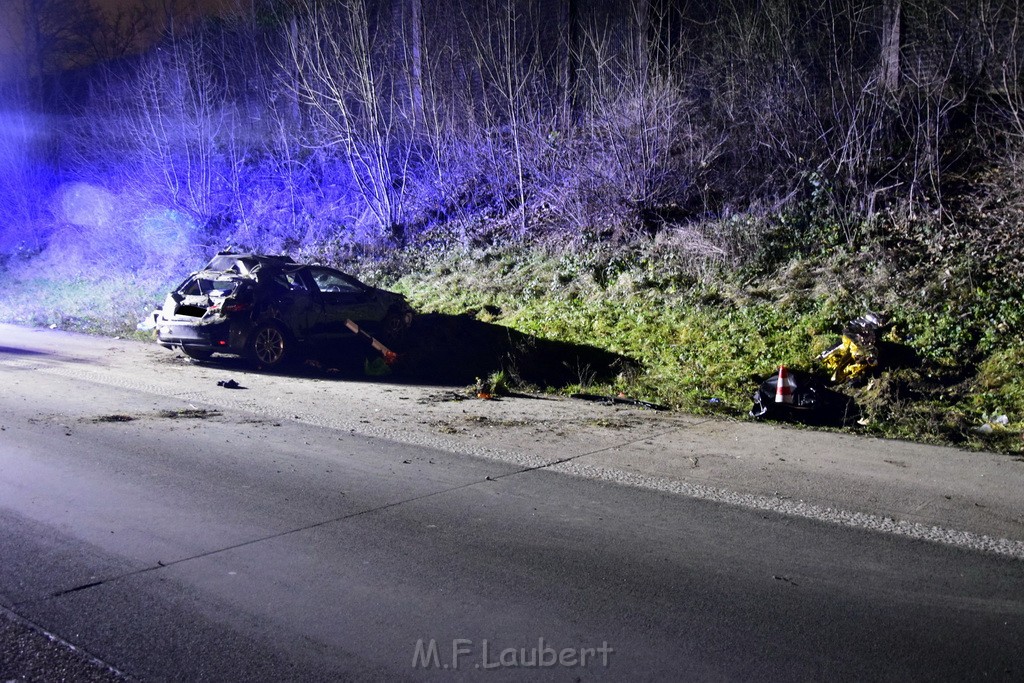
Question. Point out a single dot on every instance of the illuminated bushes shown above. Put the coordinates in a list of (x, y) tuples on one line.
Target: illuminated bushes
[(363, 124)]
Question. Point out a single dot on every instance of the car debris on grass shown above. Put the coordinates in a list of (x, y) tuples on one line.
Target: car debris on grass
[(858, 351), (799, 396), (796, 396), (993, 424)]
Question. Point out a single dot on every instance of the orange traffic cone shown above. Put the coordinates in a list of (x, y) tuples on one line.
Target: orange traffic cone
[(784, 387)]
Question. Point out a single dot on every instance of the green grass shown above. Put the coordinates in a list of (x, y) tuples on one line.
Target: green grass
[(715, 339), (693, 345), (112, 304)]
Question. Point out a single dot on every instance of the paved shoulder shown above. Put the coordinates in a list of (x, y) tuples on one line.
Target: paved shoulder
[(28, 653)]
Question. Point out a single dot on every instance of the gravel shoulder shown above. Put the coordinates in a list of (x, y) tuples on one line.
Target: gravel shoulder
[(940, 494)]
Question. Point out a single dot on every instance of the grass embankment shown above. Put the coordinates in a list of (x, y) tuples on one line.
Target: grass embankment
[(701, 343), (104, 301), (703, 347)]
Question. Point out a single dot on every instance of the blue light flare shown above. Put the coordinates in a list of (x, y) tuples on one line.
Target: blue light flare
[(86, 205)]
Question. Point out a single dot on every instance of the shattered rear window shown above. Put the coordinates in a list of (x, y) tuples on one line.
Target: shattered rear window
[(216, 287)]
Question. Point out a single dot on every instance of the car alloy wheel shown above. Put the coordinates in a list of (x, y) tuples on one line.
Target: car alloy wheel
[(269, 346)]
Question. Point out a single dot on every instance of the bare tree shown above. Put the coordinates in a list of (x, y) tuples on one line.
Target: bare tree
[(508, 68), (53, 36), (641, 144), (174, 114), (121, 31), (416, 57), (358, 106), (25, 178)]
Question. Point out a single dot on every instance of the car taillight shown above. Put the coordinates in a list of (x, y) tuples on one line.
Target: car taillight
[(233, 307)]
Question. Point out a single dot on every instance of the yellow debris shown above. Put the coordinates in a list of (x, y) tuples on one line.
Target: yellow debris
[(848, 360)]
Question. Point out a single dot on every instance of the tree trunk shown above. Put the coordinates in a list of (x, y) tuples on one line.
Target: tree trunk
[(890, 57), (293, 42), (417, 60), (567, 21)]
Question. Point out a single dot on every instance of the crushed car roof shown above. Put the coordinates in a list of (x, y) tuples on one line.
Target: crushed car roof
[(245, 264)]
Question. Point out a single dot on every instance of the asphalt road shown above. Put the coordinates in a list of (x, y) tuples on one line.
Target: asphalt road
[(185, 544)]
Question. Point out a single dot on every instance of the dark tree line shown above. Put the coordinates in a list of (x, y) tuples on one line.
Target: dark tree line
[(287, 122)]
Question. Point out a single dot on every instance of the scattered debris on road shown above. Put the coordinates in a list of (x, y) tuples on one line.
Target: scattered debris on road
[(113, 418), (189, 413), (229, 384), (442, 397), (619, 400)]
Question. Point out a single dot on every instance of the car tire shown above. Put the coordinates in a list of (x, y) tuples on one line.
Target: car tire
[(197, 354), (269, 346), (394, 326)]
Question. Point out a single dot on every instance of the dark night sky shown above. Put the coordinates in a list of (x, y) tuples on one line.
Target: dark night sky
[(11, 58)]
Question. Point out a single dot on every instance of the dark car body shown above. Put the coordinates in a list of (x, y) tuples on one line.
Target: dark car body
[(266, 307)]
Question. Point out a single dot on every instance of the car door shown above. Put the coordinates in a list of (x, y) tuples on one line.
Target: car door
[(343, 298), (291, 299)]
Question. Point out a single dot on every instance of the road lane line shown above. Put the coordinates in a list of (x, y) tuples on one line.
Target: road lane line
[(784, 506)]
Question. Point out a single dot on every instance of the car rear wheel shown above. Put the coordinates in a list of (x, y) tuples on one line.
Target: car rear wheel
[(269, 346)]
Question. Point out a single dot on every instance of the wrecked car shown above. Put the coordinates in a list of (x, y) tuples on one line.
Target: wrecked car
[(268, 308)]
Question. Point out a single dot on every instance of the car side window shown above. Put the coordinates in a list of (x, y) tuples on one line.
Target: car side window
[(289, 282), (295, 282), (330, 282)]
